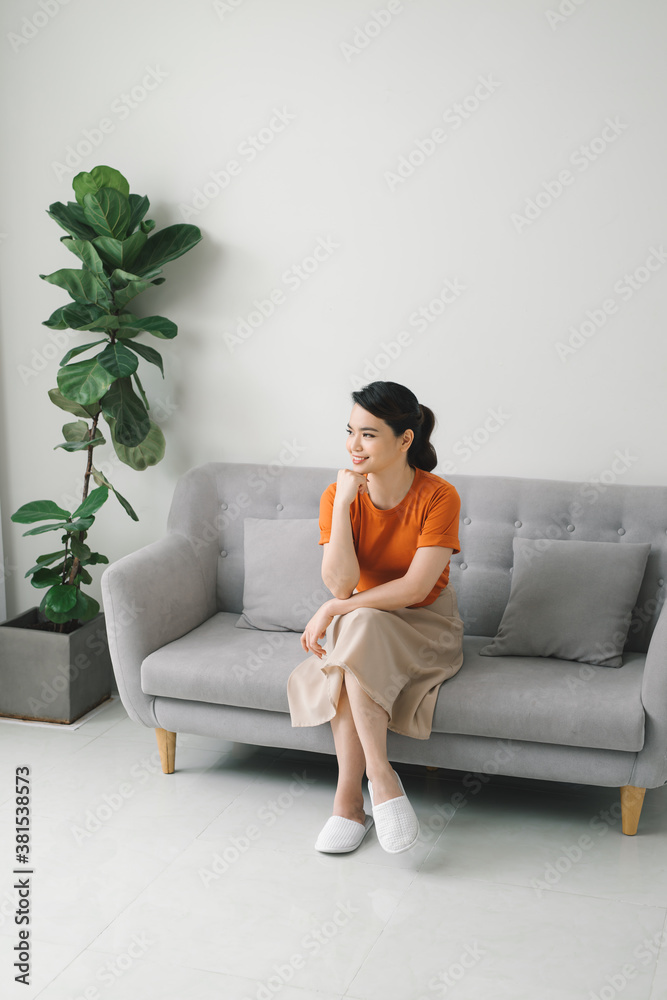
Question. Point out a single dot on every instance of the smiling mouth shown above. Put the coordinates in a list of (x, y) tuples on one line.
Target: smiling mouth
[(358, 460)]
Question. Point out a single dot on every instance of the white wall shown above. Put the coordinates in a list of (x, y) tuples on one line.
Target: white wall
[(219, 71)]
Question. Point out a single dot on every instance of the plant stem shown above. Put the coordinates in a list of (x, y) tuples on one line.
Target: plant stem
[(86, 482)]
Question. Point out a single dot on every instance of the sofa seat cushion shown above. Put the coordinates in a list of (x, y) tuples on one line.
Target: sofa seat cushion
[(544, 700), (225, 665), (508, 697)]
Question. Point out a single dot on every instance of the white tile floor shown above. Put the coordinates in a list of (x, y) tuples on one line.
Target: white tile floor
[(204, 884)]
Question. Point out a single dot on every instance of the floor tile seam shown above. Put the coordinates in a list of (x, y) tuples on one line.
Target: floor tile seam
[(355, 857), (374, 943), (180, 964), (243, 791), (660, 996), (188, 965), (143, 958), (60, 971), (554, 889), (435, 844), (135, 899), (299, 853)]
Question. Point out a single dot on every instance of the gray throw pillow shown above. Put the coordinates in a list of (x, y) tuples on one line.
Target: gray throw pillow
[(283, 585), (571, 600)]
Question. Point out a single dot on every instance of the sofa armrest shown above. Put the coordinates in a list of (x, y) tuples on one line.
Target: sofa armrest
[(150, 597), (650, 769)]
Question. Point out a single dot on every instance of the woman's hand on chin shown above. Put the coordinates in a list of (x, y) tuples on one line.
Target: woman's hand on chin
[(316, 629), (349, 484)]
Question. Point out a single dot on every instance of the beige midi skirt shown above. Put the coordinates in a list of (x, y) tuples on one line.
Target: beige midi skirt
[(400, 658)]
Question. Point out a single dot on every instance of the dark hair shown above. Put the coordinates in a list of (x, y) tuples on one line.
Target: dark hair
[(399, 408)]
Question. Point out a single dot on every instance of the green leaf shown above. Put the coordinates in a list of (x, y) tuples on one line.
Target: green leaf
[(78, 430), (45, 578), (118, 361), (51, 615), (80, 445), (79, 350), (79, 549), (86, 252), (151, 276), (119, 253), (47, 527), (108, 212), (85, 608), (83, 316), (137, 382), (70, 217), (83, 575), (96, 557), (128, 286), (56, 320), (84, 381), (71, 407), (84, 184), (50, 557), (56, 569), (111, 178), (125, 333), (39, 510), (81, 284), (102, 480), (60, 598), (167, 245), (99, 177), (123, 406), (86, 316), (81, 525), (149, 353), (148, 225), (129, 292), (120, 278), (139, 205), (159, 326), (149, 452), (92, 503), (77, 437)]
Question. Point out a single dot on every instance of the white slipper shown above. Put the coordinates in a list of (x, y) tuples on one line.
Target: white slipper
[(396, 822), (339, 834)]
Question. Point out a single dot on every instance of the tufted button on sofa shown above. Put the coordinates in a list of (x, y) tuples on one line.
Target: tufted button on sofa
[(177, 601)]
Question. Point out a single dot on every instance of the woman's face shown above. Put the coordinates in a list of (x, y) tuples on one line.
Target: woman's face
[(372, 444)]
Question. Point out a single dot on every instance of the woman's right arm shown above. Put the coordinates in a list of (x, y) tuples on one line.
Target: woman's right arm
[(340, 567)]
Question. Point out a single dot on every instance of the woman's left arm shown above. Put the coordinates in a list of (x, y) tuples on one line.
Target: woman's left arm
[(428, 562)]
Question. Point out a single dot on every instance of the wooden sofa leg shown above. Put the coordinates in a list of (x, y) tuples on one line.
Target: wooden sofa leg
[(166, 743), (431, 768), (632, 800)]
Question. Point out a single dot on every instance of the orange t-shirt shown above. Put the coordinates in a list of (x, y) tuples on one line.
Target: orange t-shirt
[(385, 541)]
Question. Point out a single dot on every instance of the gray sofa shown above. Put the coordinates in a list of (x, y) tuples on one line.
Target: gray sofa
[(183, 665)]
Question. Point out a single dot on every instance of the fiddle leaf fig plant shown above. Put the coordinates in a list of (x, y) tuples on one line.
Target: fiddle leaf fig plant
[(119, 256)]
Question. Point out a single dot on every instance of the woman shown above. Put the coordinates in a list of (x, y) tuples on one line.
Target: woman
[(388, 527)]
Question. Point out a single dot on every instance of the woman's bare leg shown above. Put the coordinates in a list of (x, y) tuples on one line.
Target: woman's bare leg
[(349, 798), (370, 721)]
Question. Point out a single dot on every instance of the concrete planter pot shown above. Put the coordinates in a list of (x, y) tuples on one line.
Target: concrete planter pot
[(53, 676)]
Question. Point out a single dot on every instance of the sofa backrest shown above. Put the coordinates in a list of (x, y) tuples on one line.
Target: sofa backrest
[(211, 501)]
